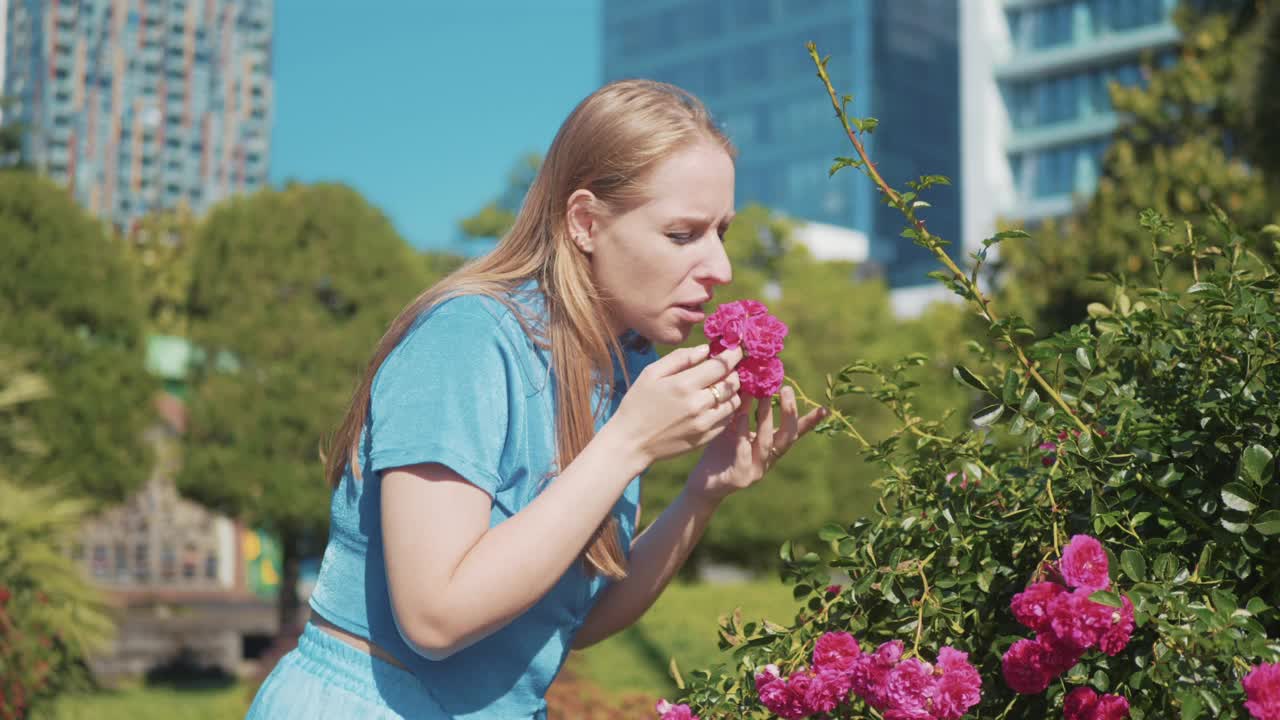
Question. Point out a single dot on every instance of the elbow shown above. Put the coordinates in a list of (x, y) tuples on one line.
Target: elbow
[(431, 638)]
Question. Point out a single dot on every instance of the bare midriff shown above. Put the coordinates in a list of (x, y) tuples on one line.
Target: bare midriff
[(354, 641)]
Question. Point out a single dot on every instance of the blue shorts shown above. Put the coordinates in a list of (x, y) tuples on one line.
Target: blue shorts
[(327, 678)]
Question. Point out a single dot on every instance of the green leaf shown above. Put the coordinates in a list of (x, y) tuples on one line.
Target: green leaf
[(1191, 705), (1202, 287), (1082, 357), (1255, 464), (1098, 310), (1238, 497), (1106, 597), (831, 531), (1030, 401), (784, 553), (964, 375), (1134, 565), (1268, 523), (1235, 527), (1010, 392), (988, 415)]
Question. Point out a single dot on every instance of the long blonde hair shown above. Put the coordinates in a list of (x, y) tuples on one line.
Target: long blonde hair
[(607, 145)]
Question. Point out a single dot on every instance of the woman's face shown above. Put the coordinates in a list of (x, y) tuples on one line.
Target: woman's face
[(660, 262)]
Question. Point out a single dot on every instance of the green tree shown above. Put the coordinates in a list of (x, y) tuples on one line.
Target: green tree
[(496, 218), (291, 290), (68, 296), (50, 616), (162, 249), (1186, 146)]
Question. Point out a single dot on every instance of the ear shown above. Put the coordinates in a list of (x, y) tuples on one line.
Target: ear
[(580, 219)]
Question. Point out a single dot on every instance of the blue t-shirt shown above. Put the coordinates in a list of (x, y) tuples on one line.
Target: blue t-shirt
[(467, 388)]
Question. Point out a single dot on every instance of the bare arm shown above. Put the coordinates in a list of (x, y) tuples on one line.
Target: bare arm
[(656, 556), (454, 580), (736, 459)]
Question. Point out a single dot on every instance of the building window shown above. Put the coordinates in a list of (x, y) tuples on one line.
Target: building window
[(99, 560), (168, 563), (141, 562), (122, 560)]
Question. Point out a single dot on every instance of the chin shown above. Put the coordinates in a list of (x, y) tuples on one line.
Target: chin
[(669, 334)]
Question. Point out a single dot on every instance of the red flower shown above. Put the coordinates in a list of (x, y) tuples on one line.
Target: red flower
[(1023, 668), (1262, 691), (1031, 606), (1084, 564)]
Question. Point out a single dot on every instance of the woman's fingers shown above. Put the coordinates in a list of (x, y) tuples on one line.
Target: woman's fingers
[(790, 429), (764, 427), (711, 369)]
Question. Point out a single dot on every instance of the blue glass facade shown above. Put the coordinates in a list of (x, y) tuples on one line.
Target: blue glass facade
[(1066, 55), (746, 59)]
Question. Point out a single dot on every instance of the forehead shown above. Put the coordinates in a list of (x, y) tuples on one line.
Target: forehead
[(694, 181)]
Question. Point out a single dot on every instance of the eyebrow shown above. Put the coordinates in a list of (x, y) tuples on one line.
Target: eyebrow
[(700, 219)]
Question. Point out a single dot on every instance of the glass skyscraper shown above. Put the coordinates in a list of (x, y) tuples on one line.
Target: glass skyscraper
[(747, 60), (138, 105), (1038, 113)]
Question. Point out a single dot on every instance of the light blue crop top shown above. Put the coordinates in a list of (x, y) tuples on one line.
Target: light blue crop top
[(467, 388)]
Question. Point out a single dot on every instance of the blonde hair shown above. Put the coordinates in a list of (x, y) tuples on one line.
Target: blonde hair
[(608, 145)]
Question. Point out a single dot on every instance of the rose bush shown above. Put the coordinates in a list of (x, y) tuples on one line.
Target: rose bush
[(1100, 542)]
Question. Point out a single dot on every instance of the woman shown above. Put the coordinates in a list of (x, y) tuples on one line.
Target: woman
[(487, 471)]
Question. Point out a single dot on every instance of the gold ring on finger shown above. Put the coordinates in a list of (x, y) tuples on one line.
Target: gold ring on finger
[(715, 393)]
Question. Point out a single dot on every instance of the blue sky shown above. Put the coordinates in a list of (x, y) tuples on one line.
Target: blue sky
[(424, 105)]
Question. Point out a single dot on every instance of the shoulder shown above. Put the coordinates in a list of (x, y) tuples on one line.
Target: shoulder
[(468, 320)]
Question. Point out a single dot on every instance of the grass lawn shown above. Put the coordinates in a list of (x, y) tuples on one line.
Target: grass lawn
[(222, 702), (682, 624)]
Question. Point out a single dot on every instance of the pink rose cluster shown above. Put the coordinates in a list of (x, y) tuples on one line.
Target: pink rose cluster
[(1067, 623), (749, 324), (900, 689), (1262, 691), (668, 711), (1085, 704)]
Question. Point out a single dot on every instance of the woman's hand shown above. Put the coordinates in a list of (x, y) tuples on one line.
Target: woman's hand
[(679, 403), (738, 458)]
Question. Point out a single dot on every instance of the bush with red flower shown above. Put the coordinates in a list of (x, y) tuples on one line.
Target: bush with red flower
[(1098, 543)]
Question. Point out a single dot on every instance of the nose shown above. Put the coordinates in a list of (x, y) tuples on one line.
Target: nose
[(715, 268)]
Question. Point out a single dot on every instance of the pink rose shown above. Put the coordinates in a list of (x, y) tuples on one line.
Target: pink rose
[(836, 651), (1056, 657), (785, 698), (727, 325), (761, 377), (1031, 606), (871, 671), (1023, 667), (907, 714), (764, 336), (667, 711), (1111, 707), (825, 692), (1084, 564), (1262, 691), (1115, 638), (958, 688), (1079, 704), (1078, 621), (910, 685)]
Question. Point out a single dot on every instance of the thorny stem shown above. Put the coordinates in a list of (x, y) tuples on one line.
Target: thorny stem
[(984, 304), (924, 597)]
